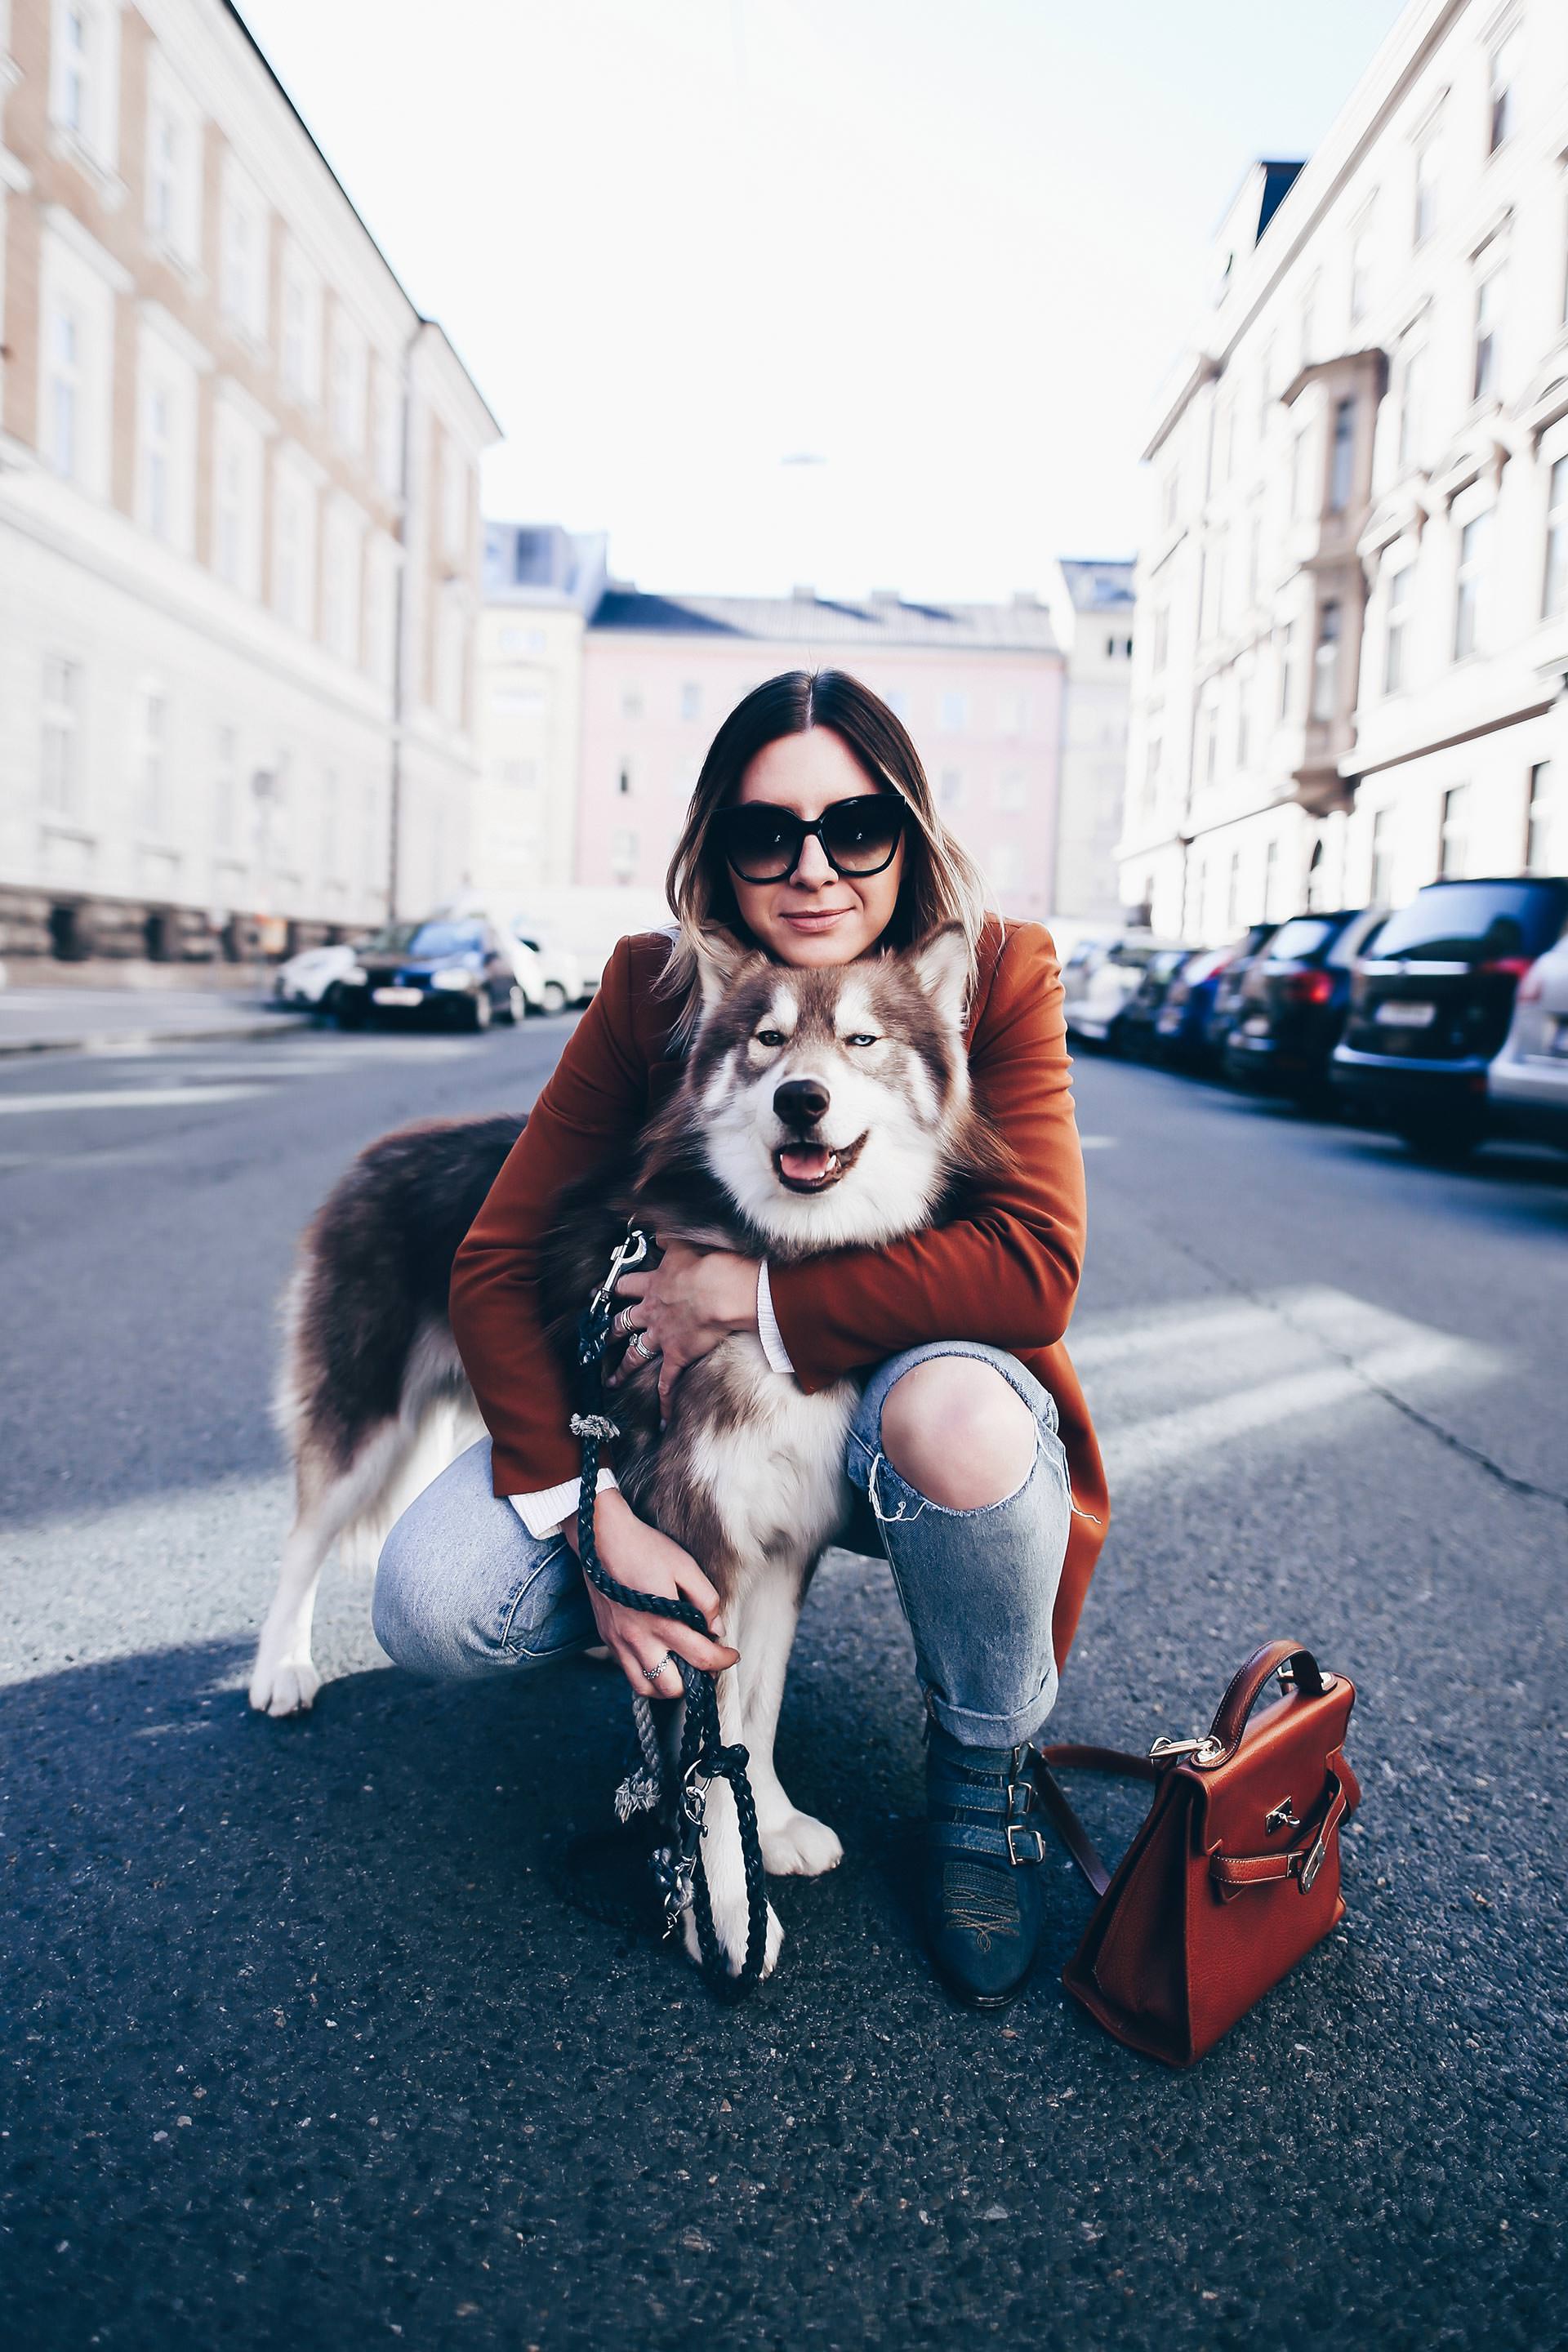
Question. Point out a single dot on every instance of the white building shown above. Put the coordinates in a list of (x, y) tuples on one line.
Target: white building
[(1090, 605), (1352, 597), (239, 538), (541, 582)]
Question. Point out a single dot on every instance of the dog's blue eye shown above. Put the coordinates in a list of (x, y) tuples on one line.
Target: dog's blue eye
[(770, 1037), (862, 1040)]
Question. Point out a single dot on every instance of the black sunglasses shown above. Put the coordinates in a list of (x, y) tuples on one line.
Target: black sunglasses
[(858, 837)]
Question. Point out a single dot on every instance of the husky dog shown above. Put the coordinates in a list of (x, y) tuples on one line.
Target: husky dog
[(818, 1110)]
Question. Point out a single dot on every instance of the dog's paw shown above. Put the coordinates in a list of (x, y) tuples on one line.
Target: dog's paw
[(731, 1934), (797, 1846), (284, 1686)]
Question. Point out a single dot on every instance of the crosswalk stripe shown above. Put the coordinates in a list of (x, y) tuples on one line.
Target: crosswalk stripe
[(127, 1099)]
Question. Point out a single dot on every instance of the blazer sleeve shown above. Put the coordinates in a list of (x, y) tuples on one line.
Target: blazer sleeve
[(1006, 1272), (590, 1109)]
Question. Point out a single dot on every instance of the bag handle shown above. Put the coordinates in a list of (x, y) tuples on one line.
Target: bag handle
[(1247, 1685)]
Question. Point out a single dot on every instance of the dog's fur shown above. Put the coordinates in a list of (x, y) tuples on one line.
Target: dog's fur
[(878, 1135)]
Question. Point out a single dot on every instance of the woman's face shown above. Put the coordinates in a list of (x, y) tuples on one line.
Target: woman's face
[(813, 916)]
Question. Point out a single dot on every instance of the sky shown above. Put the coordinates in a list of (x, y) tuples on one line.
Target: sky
[(857, 293)]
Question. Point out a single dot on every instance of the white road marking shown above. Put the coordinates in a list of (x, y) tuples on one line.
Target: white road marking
[(1098, 1142), (127, 1099)]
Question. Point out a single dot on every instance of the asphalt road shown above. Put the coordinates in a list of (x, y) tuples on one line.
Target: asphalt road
[(304, 2042)]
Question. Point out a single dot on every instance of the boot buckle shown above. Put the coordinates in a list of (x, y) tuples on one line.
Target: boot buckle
[(1022, 1829)]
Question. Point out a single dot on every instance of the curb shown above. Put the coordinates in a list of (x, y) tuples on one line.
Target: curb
[(142, 1040)]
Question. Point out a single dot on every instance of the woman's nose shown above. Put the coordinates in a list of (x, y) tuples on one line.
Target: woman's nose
[(811, 867)]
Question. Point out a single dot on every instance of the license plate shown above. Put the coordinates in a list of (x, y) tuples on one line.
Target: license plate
[(397, 996), (1394, 1014), (1256, 1025)]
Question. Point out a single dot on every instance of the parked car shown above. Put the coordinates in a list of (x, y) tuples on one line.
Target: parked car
[(1098, 978), (1293, 1003), (1137, 1027), (1182, 1029), (1431, 1006), (447, 968), (551, 974), (1228, 986), (305, 978), (1527, 1084)]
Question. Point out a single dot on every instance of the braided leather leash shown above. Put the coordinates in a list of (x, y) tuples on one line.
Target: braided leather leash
[(681, 1803)]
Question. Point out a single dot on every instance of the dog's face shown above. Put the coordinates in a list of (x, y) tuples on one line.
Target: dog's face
[(833, 1106)]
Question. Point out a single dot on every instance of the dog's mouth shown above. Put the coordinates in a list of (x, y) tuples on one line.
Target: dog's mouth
[(815, 1167)]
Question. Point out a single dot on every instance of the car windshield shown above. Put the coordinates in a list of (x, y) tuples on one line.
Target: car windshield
[(1306, 936), (1458, 922), (446, 939), (393, 939)]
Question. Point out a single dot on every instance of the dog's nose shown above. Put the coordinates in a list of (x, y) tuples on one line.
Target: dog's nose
[(801, 1102)]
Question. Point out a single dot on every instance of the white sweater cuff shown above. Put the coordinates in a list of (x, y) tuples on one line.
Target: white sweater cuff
[(546, 1513), (768, 1330)]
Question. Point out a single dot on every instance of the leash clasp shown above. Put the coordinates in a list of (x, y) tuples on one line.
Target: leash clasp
[(627, 1253)]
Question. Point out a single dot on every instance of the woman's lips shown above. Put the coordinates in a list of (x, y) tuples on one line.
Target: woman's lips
[(817, 918)]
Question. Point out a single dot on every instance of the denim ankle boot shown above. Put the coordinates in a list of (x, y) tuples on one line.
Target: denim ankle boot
[(983, 1898)]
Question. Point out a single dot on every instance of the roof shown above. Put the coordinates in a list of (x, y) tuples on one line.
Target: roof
[(1098, 585), (884, 619)]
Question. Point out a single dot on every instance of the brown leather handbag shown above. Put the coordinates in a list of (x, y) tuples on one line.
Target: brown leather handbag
[(1235, 1875)]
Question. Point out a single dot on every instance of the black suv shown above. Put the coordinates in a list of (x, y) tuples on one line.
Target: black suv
[(1292, 1004), (1431, 1003)]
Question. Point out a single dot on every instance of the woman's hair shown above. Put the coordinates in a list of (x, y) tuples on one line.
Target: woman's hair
[(941, 883)]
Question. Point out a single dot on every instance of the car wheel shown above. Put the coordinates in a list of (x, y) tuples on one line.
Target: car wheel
[(481, 1010), (516, 1005), (554, 997)]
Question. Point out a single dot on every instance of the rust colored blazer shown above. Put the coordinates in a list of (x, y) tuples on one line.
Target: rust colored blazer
[(1006, 1274)]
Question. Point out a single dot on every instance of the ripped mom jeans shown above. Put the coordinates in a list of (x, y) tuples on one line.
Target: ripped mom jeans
[(462, 1589)]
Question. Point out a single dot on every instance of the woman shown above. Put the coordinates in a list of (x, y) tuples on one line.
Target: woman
[(972, 1447)]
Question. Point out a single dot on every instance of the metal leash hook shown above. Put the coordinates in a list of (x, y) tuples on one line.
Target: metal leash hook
[(682, 1799)]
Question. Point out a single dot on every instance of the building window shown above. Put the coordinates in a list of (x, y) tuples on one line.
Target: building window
[(163, 175), (624, 855), (690, 701), (348, 386), (299, 354), (1303, 497), (954, 713), (1286, 634), (244, 249), (84, 96), (1410, 409), (65, 391), (228, 518), (624, 779), (75, 36), (1208, 742), (1504, 76), (225, 787), (1361, 275), (59, 766), (1010, 789), (1394, 629), (1489, 311), (1544, 850), (388, 431), (1428, 169), (1554, 587), (293, 550), (631, 702), (1382, 890), (1454, 850), (339, 587), (1326, 661), (151, 777), (1341, 460), (157, 459), (1475, 540), (1013, 714), (1243, 723), (1271, 879), (952, 790), (173, 207)]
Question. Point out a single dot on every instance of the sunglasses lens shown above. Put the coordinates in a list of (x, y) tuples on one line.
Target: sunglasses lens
[(761, 844), (859, 836)]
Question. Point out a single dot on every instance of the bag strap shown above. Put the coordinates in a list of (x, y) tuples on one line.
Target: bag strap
[(1231, 1873), (1054, 1803)]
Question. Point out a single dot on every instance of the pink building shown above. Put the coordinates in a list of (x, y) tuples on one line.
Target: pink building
[(979, 687)]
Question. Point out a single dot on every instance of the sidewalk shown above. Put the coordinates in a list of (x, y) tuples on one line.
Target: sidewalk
[(79, 1017)]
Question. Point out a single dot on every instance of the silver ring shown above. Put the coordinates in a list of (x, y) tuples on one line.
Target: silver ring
[(624, 1322), (639, 1346), (668, 1659)]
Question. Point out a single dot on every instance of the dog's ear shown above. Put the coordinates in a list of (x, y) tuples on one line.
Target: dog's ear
[(720, 958), (942, 969)]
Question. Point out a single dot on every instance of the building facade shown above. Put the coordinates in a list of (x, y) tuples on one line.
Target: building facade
[(1091, 606), (979, 687), (1352, 597), (239, 534), (541, 582)]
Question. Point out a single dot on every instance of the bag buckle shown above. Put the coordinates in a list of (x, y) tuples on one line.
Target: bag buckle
[(1312, 1863), (1206, 1750)]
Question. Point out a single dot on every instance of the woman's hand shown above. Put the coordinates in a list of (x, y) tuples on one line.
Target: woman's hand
[(691, 1300), (635, 1554)]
